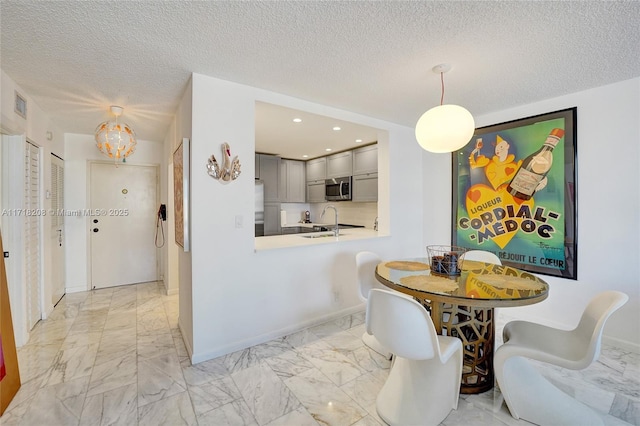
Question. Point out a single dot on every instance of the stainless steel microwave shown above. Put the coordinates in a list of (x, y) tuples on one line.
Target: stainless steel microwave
[(338, 189)]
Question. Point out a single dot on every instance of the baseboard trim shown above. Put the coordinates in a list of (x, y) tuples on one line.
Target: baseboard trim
[(622, 344), (243, 344), (187, 344), (76, 289)]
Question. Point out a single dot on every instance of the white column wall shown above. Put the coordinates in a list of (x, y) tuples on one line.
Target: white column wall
[(182, 129), (241, 297), (608, 207)]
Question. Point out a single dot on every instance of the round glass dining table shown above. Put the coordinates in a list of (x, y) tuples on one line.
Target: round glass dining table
[(463, 305)]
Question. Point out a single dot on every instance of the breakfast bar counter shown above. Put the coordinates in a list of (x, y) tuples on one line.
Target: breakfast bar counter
[(315, 238)]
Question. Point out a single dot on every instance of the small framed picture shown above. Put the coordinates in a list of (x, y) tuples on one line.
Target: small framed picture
[(20, 105)]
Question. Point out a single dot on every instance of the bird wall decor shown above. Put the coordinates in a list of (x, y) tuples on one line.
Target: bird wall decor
[(229, 171)]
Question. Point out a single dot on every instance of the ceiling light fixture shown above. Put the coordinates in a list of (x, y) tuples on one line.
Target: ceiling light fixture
[(358, 140), (297, 120), (115, 140), (327, 149), (336, 128), (444, 128)]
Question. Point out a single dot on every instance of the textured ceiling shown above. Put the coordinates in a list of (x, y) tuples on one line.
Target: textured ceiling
[(75, 58)]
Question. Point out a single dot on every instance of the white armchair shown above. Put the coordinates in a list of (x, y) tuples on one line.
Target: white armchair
[(527, 393), (366, 262), (481, 256), (424, 382)]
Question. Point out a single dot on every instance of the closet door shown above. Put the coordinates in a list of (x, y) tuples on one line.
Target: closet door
[(32, 239), (57, 229)]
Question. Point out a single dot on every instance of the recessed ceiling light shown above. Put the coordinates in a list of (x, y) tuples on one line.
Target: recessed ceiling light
[(297, 120), (305, 156), (358, 140), (336, 128), (328, 149)]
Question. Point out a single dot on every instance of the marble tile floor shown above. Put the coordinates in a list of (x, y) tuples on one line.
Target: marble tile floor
[(116, 357)]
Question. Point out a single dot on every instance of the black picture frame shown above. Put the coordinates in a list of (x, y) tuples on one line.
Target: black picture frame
[(534, 230)]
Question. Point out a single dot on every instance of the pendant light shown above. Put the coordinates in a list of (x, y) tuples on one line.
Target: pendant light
[(445, 128), (115, 140)]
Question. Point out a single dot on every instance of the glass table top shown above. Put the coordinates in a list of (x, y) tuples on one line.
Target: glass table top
[(478, 281)]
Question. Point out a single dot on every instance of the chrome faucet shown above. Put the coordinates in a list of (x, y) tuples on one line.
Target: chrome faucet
[(335, 230)]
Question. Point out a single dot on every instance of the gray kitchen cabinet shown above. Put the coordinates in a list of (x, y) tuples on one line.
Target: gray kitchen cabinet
[(290, 230), (365, 188), (315, 191), (365, 160), (272, 219), (292, 181), (270, 175), (340, 164), (316, 169)]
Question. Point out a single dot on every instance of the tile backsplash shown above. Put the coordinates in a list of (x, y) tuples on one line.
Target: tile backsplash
[(348, 212)]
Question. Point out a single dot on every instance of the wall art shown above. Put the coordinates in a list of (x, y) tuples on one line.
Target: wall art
[(514, 193), (181, 166)]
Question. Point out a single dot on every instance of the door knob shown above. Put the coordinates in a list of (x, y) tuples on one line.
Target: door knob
[(95, 229)]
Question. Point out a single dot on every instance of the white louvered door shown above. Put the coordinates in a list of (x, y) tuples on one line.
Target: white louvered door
[(57, 229), (32, 240)]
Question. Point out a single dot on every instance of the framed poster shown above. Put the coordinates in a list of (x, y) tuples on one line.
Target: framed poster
[(181, 158), (514, 193)]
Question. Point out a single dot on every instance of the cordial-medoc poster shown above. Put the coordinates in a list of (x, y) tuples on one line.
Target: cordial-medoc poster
[(514, 193)]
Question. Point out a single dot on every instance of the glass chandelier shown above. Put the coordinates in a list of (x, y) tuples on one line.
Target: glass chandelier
[(115, 140)]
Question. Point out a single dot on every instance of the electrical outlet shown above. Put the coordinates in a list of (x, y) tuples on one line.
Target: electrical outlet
[(239, 221), (336, 296)]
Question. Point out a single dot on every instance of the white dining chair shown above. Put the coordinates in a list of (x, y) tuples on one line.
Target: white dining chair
[(528, 394), (481, 256), (366, 262), (424, 382)]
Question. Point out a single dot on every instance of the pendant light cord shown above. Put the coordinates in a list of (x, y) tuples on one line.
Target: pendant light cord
[(442, 85)]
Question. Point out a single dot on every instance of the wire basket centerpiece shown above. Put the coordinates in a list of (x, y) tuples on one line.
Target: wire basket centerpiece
[(445, 260)]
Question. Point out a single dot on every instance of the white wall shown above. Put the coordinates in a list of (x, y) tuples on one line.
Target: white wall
[(36, 128), (608, 206), (241, 297), (79, 151), (180, 130)]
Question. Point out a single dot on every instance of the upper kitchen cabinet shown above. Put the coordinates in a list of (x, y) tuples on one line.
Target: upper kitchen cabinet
[(365, 174), (270, 174), (365, 188), (365, 160), (292, 181), (316, 174), (317, 169), (340, 164)]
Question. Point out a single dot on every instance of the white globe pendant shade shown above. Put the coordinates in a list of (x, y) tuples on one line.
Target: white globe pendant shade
[(445, 128)]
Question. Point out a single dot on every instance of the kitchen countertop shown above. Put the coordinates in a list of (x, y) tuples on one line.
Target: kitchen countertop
[(297, 240)]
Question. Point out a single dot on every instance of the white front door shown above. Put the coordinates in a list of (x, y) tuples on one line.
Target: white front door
[(57, 229), (122, 224)]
